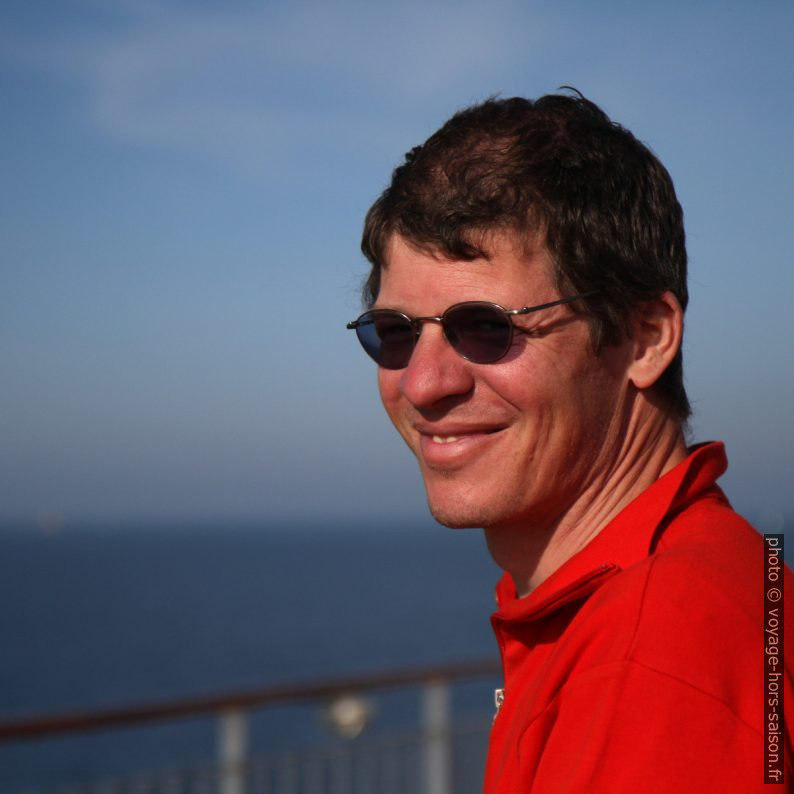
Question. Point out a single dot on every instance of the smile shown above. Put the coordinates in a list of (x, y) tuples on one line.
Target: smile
[(455, 448)]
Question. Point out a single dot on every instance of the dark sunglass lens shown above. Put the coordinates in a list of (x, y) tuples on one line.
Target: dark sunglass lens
[(479, 332), (387, 337)]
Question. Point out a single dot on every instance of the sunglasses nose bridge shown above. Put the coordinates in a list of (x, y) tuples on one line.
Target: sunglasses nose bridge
[(417, 323)]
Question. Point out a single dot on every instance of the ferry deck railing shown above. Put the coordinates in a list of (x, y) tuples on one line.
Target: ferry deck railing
[(232, 771)]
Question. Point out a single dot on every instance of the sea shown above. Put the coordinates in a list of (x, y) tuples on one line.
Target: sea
[(94, 617)]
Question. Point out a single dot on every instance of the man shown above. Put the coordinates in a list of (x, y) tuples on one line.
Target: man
[(526, 300)]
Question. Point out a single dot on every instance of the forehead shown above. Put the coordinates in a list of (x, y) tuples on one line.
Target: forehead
[(511, 273)]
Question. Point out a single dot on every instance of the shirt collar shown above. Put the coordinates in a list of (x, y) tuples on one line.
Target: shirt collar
[(625, 540)]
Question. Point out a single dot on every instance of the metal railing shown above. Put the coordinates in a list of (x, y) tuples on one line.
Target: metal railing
[(376, 765)]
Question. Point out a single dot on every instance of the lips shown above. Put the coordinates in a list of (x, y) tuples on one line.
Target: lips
[(455, 447)]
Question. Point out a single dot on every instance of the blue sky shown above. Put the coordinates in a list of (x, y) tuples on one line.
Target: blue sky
[(183, 190)]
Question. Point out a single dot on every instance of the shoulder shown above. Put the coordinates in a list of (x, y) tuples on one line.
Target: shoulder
[(693, 611), (706, 564), (706, 572), (705, 568)]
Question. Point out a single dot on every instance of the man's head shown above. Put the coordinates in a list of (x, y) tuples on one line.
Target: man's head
[(522, 204), (557, 170)]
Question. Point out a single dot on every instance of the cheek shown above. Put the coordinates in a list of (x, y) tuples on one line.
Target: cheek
[(557, 400), (389, 388), (397, 408), (528, 387)]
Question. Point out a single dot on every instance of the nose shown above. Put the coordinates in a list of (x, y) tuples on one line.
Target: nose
[(435, 371)]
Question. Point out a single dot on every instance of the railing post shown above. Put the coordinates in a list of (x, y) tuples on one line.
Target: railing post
[(232, 749), (437, 749)]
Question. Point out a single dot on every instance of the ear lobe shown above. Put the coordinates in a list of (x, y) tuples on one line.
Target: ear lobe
[(658, 328)]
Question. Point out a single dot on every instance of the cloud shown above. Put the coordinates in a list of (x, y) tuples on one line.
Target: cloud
[(248, 86)]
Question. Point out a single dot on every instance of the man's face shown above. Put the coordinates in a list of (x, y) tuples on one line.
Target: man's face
[(513, 442)]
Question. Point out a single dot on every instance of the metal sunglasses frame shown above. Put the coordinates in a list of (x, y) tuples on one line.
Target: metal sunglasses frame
[(416, 323)]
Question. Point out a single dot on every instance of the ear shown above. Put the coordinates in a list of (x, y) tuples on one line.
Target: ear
[(658, 328)]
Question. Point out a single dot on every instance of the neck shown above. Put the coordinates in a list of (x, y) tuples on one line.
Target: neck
[(531, 550)]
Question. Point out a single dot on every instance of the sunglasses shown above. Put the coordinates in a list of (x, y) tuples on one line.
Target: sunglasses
[(478, 331)]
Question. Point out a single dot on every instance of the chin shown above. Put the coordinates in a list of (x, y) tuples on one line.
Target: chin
[(482, 504), (455, 521), (461, 511)]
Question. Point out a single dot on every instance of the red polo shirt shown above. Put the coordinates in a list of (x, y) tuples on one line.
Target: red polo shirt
[(638, 666)]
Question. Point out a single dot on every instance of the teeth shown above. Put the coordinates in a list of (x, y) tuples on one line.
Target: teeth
[(445, 439)]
